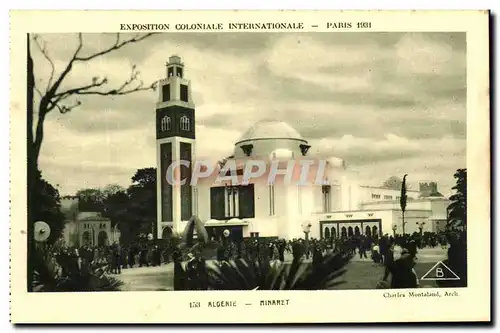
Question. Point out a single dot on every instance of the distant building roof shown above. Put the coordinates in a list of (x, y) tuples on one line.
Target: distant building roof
[(91, 216), (95, 218), (432, 195)]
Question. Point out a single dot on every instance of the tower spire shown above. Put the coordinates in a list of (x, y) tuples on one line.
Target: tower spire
[(175, 142)]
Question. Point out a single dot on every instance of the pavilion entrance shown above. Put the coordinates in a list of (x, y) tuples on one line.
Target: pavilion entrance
[(350, 228), (217, 232)]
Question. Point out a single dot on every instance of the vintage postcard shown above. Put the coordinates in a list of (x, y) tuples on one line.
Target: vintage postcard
[(250, 166)]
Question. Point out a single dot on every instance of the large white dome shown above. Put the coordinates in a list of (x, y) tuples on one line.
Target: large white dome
[(270, 136), (270, 129)]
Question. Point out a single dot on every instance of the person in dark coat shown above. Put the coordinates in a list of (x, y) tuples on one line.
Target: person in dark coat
[(220, 253), (117, 259), (412, 248), (317, 256), (363, 246), (403, 274), (388, 262), (75, 264), (123, 258), (384, 248), (156, 256), (180, 277), (143, 259), (281, 250), (131, 256)]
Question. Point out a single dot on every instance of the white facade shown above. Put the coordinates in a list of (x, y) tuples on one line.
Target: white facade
[(330, 198), (86, 228), (281, 210)]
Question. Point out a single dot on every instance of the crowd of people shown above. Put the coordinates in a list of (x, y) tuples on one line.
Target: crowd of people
[(396, 254), (111, 258)]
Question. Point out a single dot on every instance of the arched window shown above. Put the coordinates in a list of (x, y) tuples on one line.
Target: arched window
[(185, 123), (350, 232), (102, 238), (374, 231), (368, 231), (343, 232), (86, 238), (327, 233), (166, 233), (165, 123), (356, 231), (334, 232)]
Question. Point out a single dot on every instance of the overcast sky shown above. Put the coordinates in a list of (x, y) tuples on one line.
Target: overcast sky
[(387, 103)]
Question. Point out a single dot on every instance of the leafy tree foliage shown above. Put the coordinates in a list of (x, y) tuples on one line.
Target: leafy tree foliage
[(133, 209), (47, 207), (457, 210), (393, 183), (142, 204), (112, 189), (456, 230), (90, 200)]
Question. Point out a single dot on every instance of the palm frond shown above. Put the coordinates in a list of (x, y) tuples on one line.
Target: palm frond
[(266, 275), (48, 277)]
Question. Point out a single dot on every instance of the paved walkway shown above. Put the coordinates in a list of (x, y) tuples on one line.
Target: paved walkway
[(161, 277)]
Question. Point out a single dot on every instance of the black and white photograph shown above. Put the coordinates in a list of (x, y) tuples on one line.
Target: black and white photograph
[(386, 112), (253, 155)]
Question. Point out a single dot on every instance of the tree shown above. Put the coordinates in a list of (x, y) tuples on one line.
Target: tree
[(393, 183), (115, 207), (142, 207), (402, 201), (53, 97), (64, 100), (133, 210), (112, 189), (457, 210), (144, 177), (456, 231), (48, 207), (90, 200)]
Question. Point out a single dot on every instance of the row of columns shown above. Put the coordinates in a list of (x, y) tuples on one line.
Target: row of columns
[(331, 231)]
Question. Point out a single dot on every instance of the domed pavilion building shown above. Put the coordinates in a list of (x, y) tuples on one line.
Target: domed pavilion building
[(291, 190)]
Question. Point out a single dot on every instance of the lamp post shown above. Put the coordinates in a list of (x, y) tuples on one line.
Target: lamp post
[(306, 228), (421, 226), (394, 228), (226, 233)]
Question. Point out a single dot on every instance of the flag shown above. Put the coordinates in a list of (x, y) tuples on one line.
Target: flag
[(402, 200)]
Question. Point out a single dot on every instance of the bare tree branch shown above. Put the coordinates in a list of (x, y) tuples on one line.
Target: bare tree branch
[(38, 91), (125, 88), (46, 104), (42, 46), (116, 46), (95, 84), (52, 99)]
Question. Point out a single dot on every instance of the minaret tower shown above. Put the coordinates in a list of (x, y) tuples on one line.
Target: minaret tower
[(175, 141)]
